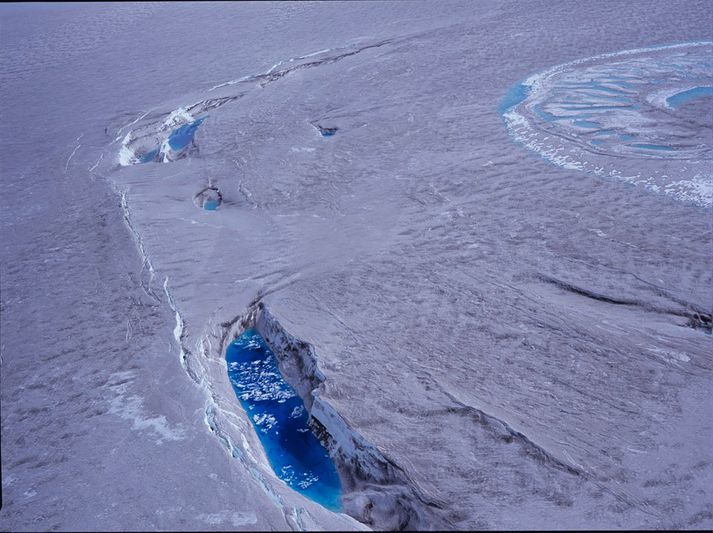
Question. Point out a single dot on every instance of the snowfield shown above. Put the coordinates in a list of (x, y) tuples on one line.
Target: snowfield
[(484, 339)]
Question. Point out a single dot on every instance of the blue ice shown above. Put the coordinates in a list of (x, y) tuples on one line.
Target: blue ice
[(281, 421)]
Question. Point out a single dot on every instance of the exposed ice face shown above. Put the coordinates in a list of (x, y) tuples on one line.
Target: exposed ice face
[(608, 114), (151, 137), (160, 142)]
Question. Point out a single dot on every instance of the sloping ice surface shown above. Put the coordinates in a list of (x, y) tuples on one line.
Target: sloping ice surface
[(503, 278)]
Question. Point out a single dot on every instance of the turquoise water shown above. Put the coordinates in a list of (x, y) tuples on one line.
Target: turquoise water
[(686, 96), (586, 124), (646, 146), (182, 136), (604, 114), (281, 421), (211, 205), (516, 94)]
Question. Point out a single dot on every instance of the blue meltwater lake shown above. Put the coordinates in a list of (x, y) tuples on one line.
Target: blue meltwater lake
[(281, 421), (686, 96), (181, 137)]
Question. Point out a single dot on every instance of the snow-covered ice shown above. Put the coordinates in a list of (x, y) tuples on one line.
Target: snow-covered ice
[(483, 339)]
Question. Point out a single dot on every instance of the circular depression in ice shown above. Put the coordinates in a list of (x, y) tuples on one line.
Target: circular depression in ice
[(640, 115), (209, 198)]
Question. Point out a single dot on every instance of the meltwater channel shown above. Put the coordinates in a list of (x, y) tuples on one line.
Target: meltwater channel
[(281, 421)]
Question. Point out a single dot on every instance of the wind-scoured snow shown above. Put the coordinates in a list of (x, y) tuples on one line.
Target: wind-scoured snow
[(472, 329)]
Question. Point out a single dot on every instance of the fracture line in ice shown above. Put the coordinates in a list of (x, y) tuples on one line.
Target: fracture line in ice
[(146, 262), (140, 117), (101, 156), (178, 330), (243, 455), (150, 143), (66, 166)]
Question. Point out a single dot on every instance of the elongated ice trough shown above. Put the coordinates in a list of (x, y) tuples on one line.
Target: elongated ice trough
[(281, 421)]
